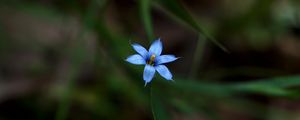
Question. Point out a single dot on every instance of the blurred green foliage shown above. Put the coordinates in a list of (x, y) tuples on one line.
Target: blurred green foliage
[(65, 59)]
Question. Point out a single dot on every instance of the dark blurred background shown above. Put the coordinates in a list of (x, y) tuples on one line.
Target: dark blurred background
[(64, 59)]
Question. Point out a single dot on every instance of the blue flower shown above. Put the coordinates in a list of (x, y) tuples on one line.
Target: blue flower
[(153, 60)]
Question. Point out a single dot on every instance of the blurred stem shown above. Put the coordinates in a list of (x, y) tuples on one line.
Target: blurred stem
[(145, 13), (65, 100), (151, 102), (77, 55), (198, 56), (158, 108)]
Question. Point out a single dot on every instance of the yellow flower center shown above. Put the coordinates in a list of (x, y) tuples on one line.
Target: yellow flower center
[(151, 61)]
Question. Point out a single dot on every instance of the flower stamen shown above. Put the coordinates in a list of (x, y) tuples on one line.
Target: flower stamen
[(152, 59)]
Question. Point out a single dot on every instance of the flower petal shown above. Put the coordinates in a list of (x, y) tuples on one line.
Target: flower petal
[(140, 49), (164, 72), (149, 72), (136, 59), (165, 59), (156, 47)]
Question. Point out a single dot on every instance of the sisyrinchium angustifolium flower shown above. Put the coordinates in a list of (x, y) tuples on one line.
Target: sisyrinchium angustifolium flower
[(153, 60)]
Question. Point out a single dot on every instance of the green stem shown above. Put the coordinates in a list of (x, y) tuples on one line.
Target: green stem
[(151, 102), (145, 13)]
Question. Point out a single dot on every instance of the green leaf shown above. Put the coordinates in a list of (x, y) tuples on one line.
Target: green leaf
[(211, 89), (272, 86), (263, 89), (176, 9), (282, 82)]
